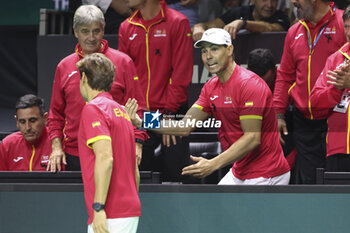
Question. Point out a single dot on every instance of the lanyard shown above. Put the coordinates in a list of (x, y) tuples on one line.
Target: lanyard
[(312, 46)]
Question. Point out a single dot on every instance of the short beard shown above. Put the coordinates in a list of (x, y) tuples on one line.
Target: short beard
[(307, 12)]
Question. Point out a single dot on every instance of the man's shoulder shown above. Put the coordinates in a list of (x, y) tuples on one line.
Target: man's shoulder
[(339, 13), (245, 75), (13, 138), (125, 23), (212, 82), (74, 57), (249, 79), (245, 72), (295, 28), (339, 17), (337, 56), (117, 56), (101, 102)]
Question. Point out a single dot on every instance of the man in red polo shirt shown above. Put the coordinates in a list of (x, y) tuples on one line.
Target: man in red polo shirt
[(107, 152), (30, 148), (242, 102)]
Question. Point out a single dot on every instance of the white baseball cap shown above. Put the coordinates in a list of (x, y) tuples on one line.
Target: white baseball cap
[(217, 36)]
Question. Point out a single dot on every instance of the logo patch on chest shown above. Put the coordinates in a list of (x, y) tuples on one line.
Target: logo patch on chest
[(330, 30), (228, 100), (160, 33)]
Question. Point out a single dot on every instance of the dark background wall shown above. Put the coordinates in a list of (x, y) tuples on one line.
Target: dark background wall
[(28, 63), (51, 49), (26, 12), (19, 26), (17, 63)]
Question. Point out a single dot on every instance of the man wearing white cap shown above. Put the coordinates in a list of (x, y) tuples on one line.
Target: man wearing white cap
[(242, 101)]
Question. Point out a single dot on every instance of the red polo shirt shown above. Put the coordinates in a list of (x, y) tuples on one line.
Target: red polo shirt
[(245, 96), (103, 118)]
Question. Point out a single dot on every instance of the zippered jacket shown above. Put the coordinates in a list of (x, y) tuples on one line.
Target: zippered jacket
[(324, 97), (67, 102), (17, 154), (300, 65), (162, 50)]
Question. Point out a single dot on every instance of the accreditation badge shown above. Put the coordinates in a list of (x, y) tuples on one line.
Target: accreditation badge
[(343, 105)]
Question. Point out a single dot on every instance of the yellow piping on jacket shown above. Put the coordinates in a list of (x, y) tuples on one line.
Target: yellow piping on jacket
[(147, 50), (31, 159)]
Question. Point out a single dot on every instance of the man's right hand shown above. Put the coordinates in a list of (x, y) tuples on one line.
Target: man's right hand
[(234, 27), (99, 223), (57, 156), (166, 140), (197, 32), (282, 128), (131, 108)]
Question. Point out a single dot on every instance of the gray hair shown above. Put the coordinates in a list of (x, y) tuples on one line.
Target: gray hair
[(87, 15)]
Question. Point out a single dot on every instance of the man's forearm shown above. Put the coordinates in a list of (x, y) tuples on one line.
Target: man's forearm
[(56, 144), (261, 26), (102, 171), (216, 23)]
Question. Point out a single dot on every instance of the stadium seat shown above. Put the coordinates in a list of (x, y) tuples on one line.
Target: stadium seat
[(209, 150), (324, 177)]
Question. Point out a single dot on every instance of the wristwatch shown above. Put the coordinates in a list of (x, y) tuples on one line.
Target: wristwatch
[(244, 23), (98, 206)]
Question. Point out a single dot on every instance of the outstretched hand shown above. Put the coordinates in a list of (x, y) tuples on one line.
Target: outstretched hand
[(131, 108), (202, 168), (166, 140)]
